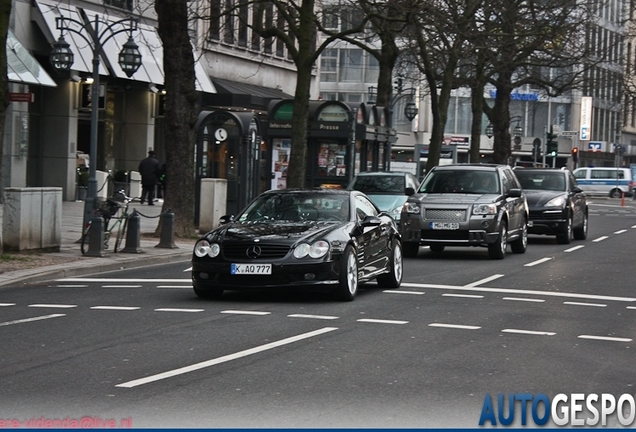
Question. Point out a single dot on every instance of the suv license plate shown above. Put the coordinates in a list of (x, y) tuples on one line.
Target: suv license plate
[(257, 269), (444, 225)]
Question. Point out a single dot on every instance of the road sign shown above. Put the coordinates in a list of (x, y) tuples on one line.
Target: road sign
[(569, 133)]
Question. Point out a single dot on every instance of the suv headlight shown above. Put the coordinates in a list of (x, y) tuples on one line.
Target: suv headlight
[(411, 208), (484, 209), (556, 202)]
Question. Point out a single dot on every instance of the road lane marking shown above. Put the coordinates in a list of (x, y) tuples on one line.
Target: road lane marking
[(599, 239), (537, 262), (178, 310), (524, 299), (572, 249), (620, 231), (528, 332), (455, 326), (522, 292), (379, 321), (605, 338), (631, 307), (58, 306), (188, 269), (120, 280), (72, 286), (43, 317), (6, 304), (585, 304), (123, 308), (223, 359), (483, 281), (242, 312), (463, 295), (403, 292), (175, 286), (121, 286), (322, 317)]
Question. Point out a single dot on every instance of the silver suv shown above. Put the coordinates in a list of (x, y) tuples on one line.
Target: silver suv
[(467, 205)]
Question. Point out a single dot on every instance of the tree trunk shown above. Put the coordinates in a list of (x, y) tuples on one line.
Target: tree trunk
[(180, 114)]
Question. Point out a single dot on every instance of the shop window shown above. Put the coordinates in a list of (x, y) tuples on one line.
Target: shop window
[(331, 160)]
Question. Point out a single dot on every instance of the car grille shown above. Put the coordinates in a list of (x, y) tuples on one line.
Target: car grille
[(539, 215), (239, 251), (445, 215)]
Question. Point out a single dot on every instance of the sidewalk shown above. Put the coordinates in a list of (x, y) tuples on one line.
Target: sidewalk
[(71, 262)]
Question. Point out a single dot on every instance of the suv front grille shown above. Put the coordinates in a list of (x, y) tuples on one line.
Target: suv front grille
[(445, 215)]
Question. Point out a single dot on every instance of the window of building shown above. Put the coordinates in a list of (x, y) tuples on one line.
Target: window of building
[(215, 20), (242, 23), (372, 69), (329, 65), (228, 25), (350, 65)]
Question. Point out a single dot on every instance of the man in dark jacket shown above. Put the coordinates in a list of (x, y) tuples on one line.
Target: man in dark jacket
[(149, 170)]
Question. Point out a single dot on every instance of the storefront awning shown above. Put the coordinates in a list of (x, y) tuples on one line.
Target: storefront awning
[(146, 37), (233, 93), (22, 67)]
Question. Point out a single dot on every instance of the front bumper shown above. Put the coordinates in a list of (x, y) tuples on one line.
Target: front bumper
[(547, 222), (478, 230)]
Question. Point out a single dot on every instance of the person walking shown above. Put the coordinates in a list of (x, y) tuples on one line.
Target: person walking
[(149, 170)]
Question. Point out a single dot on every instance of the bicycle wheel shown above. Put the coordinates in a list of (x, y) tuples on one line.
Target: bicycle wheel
[(121, 234), (84, 243)]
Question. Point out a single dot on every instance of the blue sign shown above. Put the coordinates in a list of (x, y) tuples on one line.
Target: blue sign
[(594, 146)]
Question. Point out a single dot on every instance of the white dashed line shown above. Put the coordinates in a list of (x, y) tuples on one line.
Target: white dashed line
[(483, 281), (32, 319), (72, 286), (6, 304), (121, 286), (58, 306), (585, 304), (321, 317), (245, 353), (605, 338), (403, 292), (455, 326), (620, 231), (178, 310), (122, 280), (463, 295), (528, 332), (240, 312), (537, 262), (572, 249), (122, 308), (175, 286), (599, 239), (378, 321), (631, 307), (524, 299), (188, 269)]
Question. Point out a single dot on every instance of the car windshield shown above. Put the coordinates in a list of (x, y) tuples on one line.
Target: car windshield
[(380, 184), (297, 207), (541, 180), (461, 181)]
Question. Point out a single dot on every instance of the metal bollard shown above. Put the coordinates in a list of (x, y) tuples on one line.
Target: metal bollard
[(167, 231), (96, 237), (133, 234)]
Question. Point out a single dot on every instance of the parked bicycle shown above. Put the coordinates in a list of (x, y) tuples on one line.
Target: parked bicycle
[(115, 213)]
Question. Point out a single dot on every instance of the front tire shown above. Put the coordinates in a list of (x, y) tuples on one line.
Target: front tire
[(616, 193), (497, 250), (520, 245), (393, 279), (348, 287), (410, 249), (566, 236), (581, 233)]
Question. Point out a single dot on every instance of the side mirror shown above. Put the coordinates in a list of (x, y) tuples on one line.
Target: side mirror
[(226, 219), (577, 189), (371, 221), (409, 191), (514, 193)]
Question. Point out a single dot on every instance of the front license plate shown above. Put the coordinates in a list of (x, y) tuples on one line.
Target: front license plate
[(444, 225), (256, 269)]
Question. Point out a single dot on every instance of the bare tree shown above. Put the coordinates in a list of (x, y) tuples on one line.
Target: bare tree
[(180, 112)]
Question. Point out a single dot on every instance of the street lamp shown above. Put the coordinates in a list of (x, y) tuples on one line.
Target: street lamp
[(61, 58), (490, 130), (410, 108)]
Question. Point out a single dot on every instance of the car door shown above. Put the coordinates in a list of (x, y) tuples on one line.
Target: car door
[(372, 240), (516, 205), (577, 199)]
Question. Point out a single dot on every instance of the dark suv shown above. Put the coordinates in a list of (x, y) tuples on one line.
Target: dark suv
[(467, 205)]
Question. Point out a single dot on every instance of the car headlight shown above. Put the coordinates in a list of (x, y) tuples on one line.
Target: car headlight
[(203, 248), (395, 213), (411, 208), (315, 250), (484, 209), (556, 202)]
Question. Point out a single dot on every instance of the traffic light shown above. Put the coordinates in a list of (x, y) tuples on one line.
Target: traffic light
[(536, 149), (552, 145), (575, 154)]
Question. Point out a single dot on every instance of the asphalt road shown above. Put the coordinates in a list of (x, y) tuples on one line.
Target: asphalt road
[(138, 346)]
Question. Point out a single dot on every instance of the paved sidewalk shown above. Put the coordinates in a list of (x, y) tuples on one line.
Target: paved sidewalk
[(78, 265)]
